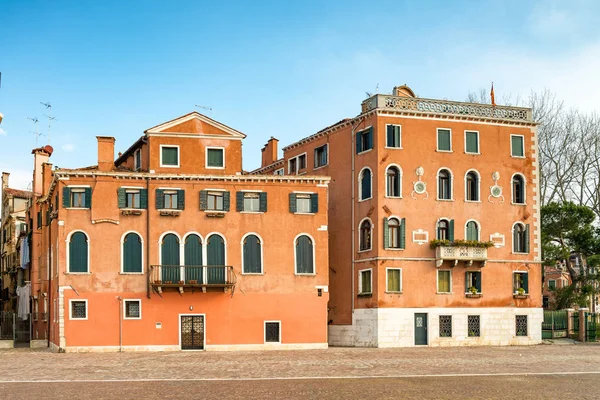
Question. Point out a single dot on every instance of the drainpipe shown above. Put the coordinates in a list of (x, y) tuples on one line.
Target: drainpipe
[(353, 150), (147, 236), (49, 268), (120, 323)]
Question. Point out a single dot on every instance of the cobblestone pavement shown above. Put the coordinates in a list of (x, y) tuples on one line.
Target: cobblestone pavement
[(468, 372)]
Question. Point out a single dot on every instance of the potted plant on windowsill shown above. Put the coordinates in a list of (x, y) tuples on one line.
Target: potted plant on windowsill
[(472, 294), (520, 294), (193, 282)]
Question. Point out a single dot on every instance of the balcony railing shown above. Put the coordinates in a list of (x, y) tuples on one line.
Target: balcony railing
[(180, 276), (461, 109), (460, 253)]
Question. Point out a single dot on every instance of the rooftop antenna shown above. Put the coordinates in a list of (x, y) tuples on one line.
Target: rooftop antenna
[(205, 108), (37, 133), (50, 118)]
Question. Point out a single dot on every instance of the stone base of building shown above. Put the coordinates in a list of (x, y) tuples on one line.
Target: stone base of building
[(7, 344), (395, 327), (224, 347), (38, 344)]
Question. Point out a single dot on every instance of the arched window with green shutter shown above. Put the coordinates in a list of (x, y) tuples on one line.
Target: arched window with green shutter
[(193, 258), (215, 249), (365, 184), (472, 230), (304, 255), (169, 258), (78, 253), (252, 255), (132, 253)]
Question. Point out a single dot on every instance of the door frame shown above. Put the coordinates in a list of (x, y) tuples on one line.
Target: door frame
[(179, 338), (426, 329)]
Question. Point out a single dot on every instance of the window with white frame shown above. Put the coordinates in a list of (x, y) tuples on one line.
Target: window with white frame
[(137, 159), (517, 146), (78, 198), (393, 181), (520, 283), (78, 309), (365, 187), (132, 198), (443, 230), (169, 156), (394, 280), (472, 186), (518, 189), (364, 284), (365, 235), (292, 165), (321, 156), (472, 142), (473, 280), (444, 140), (520, 238), (472, 231), (215, 157), (279, 171), (170, 200), (393, 136), (214, 201), (444, 185), (364, 140), (132, 309), (394, 233), (251, 202)]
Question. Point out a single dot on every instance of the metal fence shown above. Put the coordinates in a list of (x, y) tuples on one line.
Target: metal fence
[(554, 325), (7, 323)]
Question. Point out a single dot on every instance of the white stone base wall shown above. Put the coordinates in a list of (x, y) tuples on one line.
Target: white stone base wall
[(220, 347), (394, 327), (38, 344), (7, 344)]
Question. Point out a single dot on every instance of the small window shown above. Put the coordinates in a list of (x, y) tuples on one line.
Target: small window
[(214, 201), (394, 280), (365, 282), (365, 184), (521, 325), (518, 189), (132, 309), (78, 198), (444, 140), (474, 326), (170, 200), (215, 158), (394, 233), (393, 182), (251, 202), (301, 162), (443, 227), (364, 140), (551, 284), (365, 235), (132, 198), (472, 231), (444, 284), (444, 185), (78, 309), (472, 186), (292, 165), (520, 238), (517, 147), (169, 156), (445, 325), (321, 156), (520, 283), (273, 332), (279, 171), (137, 159), (473, 280), (472, 142), (394, 137)]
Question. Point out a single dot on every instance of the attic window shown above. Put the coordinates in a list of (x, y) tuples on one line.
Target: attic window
[(215, 157), (169, 156), (137, 159)]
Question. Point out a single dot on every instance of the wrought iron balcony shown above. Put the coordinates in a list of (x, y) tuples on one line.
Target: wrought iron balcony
[(416, 105), (469, 254), (192, 276)]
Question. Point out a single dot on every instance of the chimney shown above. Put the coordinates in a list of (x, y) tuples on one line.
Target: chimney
[(5, 176), (40, 157), (106, 153), (269, 152)]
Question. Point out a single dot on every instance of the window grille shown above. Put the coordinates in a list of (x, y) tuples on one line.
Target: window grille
[(78, 310), (521, 325), (445, 325), (272, 332), (473, 325), (132, 309)]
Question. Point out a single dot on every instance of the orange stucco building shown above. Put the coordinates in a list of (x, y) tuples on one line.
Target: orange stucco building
[(434, 224), (171, 246)]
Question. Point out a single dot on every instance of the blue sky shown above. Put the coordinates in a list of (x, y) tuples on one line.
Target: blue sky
[(283, 69)]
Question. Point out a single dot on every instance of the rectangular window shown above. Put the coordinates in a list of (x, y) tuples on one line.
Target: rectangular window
[(520, 283), (551, 284), (394, 137), (472, 142), (132, 198), (521, 325), (137, 159), (279, 171), (169, 156), (445, 325), (78, 198), (394, 280), (215, 158), (78, 309), (303, 203), (444, 140), (444, 281), (170, 200), (365, 282), (517, 146), (321, 156), (292, 164), (473, 326), (132, 309), (272, 332), (215, 201), (301, 162), (364, 140), (251, 202), (473, 280)]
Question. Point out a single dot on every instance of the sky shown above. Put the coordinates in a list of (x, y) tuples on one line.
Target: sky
[(268, 68)]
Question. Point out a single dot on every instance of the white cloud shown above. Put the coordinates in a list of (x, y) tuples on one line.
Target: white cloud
[(2, 132), (68, 147)]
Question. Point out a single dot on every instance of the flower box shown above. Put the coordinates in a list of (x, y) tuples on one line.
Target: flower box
[(520, 296), (181, 282), (474, 295)]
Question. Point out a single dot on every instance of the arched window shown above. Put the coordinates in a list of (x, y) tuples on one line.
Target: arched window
[(472, 230), (365, 184), (304, 255), (169, 258), (215, 254), (520, 238), (252, 261), (472, 186), (394, 233), (393, 184), (443, 229), (518, 189), (192, 258), (444, 185), (78, 253), (365, 235), (132, 253)]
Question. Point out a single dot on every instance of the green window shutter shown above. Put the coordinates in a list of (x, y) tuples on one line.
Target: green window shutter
[(386, 233), (203, 200), (170, 156), (193, 251), (467, 284), (121, 200), (252, 262), (478, 281), (181, 199), (226, 201), (444, 140), (239, 201), (390, 136), (132, 253), (144, 198), (293, 206), (527, 238), (370, 139), (88, 197), (215, 157), (66, 197), (39, 219), (263, 202), (472, 142), (304, 255), (403, 233), (358, 139), (78, 253), (47, 217), (314, 203), (471, 231), (160, 199), (451, 231), (170, 250), (526, 282), (517, 146), (215, 250)]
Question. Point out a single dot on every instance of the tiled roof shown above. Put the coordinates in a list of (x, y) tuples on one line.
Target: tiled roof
[(25, 194)]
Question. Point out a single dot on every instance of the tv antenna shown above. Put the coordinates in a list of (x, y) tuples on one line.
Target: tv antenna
[(204, 108), (50, 118), (37, 132)]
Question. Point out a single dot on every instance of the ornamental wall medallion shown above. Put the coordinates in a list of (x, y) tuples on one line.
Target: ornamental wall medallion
[(495, 189), (419, 187)]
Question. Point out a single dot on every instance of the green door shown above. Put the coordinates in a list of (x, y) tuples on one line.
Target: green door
[(215, 249), (170, 259), (420, 329), (193, 260)]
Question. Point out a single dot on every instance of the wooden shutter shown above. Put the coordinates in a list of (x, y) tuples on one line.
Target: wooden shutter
[(160, 199), (444, 140), (39, 220), (181, 199), (369, 139), (525, 282), (478, 281), (293, 205), (226, 201), (66, 197), (467, 283), (170, 250), (78, 253), (88, 197), (386, 233), (390, 136), (143, 198), (239, 201), (132, 253), (526, 238), (203, 200), (358, 140), (314, 203), (252, 262), (263, 202), (121, 198), (193, 251), (403, 233), (472, 145), (215, 250), (451, 231), (304, 255)]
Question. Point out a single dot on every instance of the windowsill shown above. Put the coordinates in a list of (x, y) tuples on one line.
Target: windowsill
[(445, 199), (472, 201), (518, 204), (365, 295), (169, 209), (253, 273), (77, 273), (77, 319), (301, 173), (368, 198), (394, 249), (76, 208), (169, 166), (303, 213), (132, 273), (215, 211), (392, 197), (472, 154), (322, 166), (444, 151), (444, 293), (252, 212), (132, 209), (519, 253), (207, 167), (391, 292), (132, 319), (297, 274), (364, 251), (517, 156), (363, 152), (393, 148)]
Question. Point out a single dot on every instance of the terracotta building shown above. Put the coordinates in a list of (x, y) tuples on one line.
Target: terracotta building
[(555, 277), (171, 246), (434, 224)]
